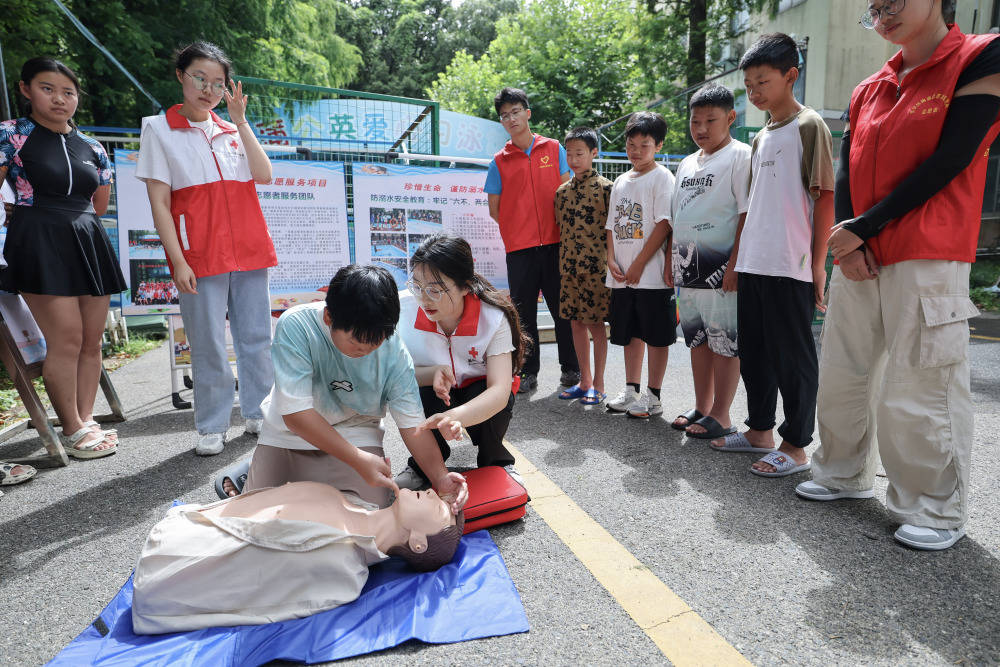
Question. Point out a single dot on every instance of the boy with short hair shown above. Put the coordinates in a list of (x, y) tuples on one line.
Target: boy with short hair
[(643, 310), (337, 368), (582, 211), (781, 261), (521, 184), (710, 202)]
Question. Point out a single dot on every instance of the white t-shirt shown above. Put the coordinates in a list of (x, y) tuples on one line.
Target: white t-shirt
[(637, 203), (710, 193), (792, 163)]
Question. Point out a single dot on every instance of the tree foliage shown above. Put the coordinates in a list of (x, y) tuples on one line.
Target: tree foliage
[(576, 59)]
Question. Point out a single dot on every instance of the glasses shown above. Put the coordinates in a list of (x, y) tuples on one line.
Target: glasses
[(511, 115), (433, 293), (205, 86), (873, 16)]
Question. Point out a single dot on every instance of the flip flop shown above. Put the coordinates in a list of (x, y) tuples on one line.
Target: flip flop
[(783, 465), (691, 416), (573, 392), (593, 397), (237, 473), (713, 429), (737, 442)]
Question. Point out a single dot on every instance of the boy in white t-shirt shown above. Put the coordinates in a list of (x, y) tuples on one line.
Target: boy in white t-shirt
[(642, 310), (782, 261), (710, 200)]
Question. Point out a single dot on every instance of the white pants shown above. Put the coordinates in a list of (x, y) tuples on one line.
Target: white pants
[(894, 363)]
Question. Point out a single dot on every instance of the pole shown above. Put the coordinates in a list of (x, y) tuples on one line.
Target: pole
[(5, 110)]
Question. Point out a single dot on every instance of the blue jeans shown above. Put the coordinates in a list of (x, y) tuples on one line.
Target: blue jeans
[(244, 295)]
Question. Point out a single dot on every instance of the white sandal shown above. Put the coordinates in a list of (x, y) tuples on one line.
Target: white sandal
[(89, 450), (110, 433)]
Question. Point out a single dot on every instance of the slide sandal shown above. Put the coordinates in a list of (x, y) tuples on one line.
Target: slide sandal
[(237, 472), (713, 429), (691, 416)]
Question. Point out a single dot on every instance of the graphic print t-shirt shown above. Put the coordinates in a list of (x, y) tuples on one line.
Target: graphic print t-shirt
[(638, 202), (710, 193)]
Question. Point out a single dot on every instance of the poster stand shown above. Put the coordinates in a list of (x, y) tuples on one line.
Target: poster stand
[(22, 375)]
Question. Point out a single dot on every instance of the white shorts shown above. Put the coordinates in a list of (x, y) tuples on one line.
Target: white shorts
[(708, 316)]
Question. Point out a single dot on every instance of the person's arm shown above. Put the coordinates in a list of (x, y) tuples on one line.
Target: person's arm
[(494, 204), (159, 204), (314, 429), (859, 264), (730, 281), (236, 104), (661, 232), (499, 371), (450, 486), (102, 195), (616, 271), (822, 223)]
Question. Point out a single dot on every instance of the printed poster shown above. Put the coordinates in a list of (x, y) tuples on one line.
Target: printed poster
[(403, 205), (305, 206)]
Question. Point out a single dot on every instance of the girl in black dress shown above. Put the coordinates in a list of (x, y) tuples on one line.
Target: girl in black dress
[(59, 257)]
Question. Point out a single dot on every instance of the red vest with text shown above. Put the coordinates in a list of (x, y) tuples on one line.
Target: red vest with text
[(894, 129), (527, 201)]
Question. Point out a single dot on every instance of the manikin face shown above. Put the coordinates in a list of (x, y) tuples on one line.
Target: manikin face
[(710, 127), (53, 97), (766, 85), (910, 19), (423, 513), (579, 155), (202, 74), (448, 308)]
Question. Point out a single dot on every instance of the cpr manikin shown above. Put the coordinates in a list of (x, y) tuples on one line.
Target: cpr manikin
[(279, 553)]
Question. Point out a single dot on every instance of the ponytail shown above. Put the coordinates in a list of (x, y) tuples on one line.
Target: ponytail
[(487, 293), (36, 66)]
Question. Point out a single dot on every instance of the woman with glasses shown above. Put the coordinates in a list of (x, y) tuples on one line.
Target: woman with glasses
[(466, 342), (200, 172), (909, 195)]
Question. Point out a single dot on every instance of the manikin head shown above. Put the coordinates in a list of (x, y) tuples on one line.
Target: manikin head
[(362, 309), (434, 532)]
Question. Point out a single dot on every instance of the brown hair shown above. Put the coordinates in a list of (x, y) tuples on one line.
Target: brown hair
[(440, 548), (449, 255)]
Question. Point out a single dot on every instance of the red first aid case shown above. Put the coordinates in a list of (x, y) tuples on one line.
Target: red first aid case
[(494, 498)]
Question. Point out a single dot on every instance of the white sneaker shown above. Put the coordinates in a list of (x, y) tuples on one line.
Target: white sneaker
[(515, 475), (815, 491), (253, 426), (623, 401), (928, 539), (210, 444), (647, 406), (412, 480)]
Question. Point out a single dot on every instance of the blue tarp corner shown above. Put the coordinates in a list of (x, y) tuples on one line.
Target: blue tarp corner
[(470, 598)]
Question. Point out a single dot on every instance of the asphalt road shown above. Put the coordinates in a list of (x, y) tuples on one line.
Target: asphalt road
[(782, 580)]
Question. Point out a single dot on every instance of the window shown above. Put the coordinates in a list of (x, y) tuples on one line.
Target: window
[(788, 4)]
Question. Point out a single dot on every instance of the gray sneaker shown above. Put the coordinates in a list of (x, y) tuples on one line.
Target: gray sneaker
[(210, 444), (623, 401), (529, 381), (928, 539), (569, 378), (814, 491), (412, 480)]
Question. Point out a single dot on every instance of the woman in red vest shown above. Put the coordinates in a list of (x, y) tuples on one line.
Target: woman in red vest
[(909, 195)]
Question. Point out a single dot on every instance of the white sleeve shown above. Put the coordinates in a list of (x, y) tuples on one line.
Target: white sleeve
[(741, 180), (152, 163), (501, 343), (664, 196)]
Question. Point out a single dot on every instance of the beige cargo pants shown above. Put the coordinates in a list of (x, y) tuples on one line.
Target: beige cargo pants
[(894, 363)]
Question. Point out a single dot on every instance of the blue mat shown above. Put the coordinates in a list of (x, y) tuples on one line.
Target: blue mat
[(472, 597)]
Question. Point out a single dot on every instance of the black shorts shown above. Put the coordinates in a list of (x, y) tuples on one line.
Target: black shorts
[(647, 314)]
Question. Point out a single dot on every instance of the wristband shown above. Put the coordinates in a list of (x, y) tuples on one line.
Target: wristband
[(242, 122)]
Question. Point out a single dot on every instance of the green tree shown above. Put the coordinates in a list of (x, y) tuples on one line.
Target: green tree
[(576, 59)]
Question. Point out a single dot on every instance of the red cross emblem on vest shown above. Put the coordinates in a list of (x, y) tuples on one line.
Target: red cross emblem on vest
[(234, 145), (473, 352)]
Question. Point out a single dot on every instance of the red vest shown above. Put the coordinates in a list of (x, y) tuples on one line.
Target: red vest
[(896, 128), (527, 201)]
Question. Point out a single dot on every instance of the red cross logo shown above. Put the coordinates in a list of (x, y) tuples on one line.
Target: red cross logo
[(234, 144), (474, 352)]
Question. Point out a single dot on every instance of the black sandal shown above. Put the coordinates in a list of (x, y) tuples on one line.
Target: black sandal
[(691, 416), (713, 429)]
